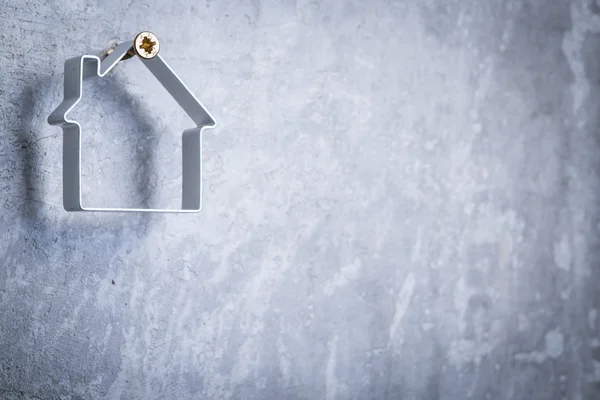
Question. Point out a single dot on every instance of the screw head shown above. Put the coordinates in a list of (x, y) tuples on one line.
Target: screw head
[(146, 45)]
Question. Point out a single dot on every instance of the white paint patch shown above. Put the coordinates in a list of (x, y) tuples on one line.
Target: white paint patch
[(592, 318), (562, 254), (285, 363), (462, 294), (506, 251), (595, 376), (493, 225), (331, 383), (247, 362), (582, 22), (347, 273), (402, 303), (555, 343), (535, 356), (464, 351), (417, 248)]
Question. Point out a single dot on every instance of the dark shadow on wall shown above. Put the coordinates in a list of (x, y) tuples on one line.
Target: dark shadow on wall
[(29, 151), (142, 147), (591, 136), (67, 255)]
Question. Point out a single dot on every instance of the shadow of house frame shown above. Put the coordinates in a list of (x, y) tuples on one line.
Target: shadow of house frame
[(56, 253)]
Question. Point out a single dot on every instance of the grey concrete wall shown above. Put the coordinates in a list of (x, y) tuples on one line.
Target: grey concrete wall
[(402, 201)]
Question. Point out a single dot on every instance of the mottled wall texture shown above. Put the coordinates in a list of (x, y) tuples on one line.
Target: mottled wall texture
[(402, 201)]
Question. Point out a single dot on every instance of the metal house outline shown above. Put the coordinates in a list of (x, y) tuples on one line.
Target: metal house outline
[(85, 67)]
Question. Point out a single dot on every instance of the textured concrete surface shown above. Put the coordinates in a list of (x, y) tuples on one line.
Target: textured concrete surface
[(402, 202)]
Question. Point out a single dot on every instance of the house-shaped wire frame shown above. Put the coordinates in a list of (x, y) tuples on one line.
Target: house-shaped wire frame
[(88, 66)]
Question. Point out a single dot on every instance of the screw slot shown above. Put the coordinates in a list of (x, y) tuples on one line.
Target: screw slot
[(146, 45)]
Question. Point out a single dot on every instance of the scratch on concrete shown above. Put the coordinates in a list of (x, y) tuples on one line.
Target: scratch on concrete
[(404, 297)]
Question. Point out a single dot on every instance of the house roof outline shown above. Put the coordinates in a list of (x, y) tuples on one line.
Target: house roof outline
[(78, 69)]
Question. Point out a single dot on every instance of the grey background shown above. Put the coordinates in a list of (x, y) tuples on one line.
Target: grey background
[(402, 201)]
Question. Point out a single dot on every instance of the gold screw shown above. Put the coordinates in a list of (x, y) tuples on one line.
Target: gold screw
[(146, 45)]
